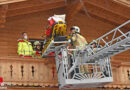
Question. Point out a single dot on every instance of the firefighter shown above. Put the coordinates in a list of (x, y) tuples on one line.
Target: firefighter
[(37, 48), (77, 39), (94, 46), (79, 42), (25, 48)]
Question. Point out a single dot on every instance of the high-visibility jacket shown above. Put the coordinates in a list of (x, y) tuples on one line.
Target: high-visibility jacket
[(25, 48), (79, 41)]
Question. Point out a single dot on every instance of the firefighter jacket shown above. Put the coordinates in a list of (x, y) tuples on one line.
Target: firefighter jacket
[(79, 41)]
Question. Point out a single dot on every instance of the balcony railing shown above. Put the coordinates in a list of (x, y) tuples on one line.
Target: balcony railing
[(28, 72)]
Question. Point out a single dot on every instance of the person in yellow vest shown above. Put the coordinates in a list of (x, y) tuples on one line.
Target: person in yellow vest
[(79, 42), (25, 48)]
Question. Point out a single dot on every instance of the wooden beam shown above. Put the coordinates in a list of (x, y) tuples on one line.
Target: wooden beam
[(120, 63), (31, 3), (99, 11), (3, 10), (99, 17), (31, 7), (72, 9), (112, 7), (116, 64), (124, 2), (2, 2)]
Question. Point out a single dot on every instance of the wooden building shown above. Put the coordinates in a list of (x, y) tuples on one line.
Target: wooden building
[(94, 17)]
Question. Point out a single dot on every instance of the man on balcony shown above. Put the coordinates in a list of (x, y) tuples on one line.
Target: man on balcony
[(25, 48)]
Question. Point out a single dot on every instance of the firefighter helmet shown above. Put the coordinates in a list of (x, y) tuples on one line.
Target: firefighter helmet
[(94, 42), (37, 43), (76, 28)]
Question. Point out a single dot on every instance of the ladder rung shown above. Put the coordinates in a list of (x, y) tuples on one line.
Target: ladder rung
[(119, 49), (108, 53), (125, 45), (113, 51), (121, 46)]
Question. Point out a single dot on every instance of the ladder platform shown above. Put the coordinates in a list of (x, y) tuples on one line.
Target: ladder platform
[(51, 47), (89, 81), (86, 83)]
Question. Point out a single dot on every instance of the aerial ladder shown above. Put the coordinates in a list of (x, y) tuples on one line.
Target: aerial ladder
[(90, 67)]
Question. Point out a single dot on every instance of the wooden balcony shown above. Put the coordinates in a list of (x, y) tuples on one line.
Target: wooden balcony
[(42, 72), (28, 71)]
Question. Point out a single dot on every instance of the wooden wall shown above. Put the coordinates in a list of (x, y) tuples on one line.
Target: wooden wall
[(35, 24)]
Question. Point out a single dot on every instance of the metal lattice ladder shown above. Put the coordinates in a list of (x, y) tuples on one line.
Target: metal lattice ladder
[(119, 42)]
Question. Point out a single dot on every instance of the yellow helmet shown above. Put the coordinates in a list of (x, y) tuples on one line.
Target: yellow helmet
[(36, 43)]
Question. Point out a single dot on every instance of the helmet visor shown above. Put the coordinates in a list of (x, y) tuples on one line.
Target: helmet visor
[(72, 28)]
